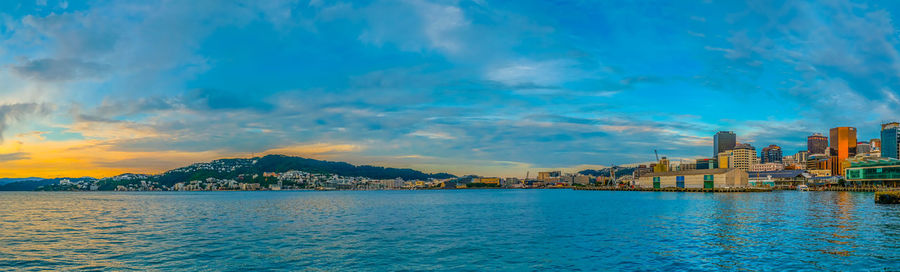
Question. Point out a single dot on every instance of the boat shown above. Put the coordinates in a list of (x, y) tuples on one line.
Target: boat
[(803, 187)]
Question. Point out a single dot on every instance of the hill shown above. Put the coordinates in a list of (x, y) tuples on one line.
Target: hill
[(605, 172), (233, 168), (4, 181)]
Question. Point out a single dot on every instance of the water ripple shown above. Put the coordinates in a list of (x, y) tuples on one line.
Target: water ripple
[(466, 230)]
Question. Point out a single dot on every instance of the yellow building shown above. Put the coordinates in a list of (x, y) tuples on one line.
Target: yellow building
[(662, 166), (724, 159), (820, 173), (490, 180), (549, 176)]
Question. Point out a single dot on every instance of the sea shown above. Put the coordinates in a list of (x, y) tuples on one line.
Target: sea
[(447, 230)]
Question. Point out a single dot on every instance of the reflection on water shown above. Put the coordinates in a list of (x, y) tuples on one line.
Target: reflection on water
[(447, 230)]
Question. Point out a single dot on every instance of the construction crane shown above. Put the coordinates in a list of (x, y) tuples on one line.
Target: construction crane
[(657, 155)]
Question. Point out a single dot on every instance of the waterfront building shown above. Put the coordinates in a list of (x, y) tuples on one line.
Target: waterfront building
[(819, 173), (771, 154), (890, 140), (874, 171), (549, 176), (816, 143), (494, 181), (843, 147), (583, 179), (780, 178), (643, 170), (723, 141), (705, 178), (767, 167)]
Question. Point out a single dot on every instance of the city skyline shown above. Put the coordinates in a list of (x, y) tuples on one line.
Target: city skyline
[(465, 87)]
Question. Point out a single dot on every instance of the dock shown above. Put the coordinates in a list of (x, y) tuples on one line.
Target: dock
[(674, 189)]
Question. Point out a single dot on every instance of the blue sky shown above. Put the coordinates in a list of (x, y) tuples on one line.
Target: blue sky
[(492, 88)]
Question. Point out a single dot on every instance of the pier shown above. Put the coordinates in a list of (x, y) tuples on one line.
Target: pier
[(675, 189)]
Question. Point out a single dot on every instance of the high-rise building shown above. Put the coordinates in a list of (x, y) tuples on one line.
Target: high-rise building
[(723, 141), (816, 143), (843, 146), (742, 157), (863, 147), (771, 154), (876, 144), (890, 140)]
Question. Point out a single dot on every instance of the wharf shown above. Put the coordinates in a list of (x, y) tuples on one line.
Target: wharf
[(672, 189), (854, 189)]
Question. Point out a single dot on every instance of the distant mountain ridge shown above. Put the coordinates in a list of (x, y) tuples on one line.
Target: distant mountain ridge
[(232, 168), (621, 171), (4, 181)]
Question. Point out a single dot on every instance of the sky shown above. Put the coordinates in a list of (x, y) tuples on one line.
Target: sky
[(497, 88)]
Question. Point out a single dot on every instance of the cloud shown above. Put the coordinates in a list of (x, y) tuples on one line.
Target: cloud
[(60, 70), (6, 157), (11, 113)]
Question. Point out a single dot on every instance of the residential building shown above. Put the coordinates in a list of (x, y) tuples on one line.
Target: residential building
[(863, 147), (816, 143), (706, 178), (843, 146), (890, 140), (767, 167), (723, 141), (771, 154)]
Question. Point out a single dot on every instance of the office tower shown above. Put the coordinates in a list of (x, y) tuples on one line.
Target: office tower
[(843, 146), (890, 140), (816, 143), (723, 141), (771, 154)]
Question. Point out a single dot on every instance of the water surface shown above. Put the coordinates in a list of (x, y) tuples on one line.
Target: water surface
[(450, 230)]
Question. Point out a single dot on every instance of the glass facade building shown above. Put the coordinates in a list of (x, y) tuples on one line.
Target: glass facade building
[(771, 153), (890, 140), (843, 146), (878, 171)]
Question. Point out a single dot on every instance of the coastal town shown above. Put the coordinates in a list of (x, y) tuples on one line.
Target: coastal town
[(838, 160)]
